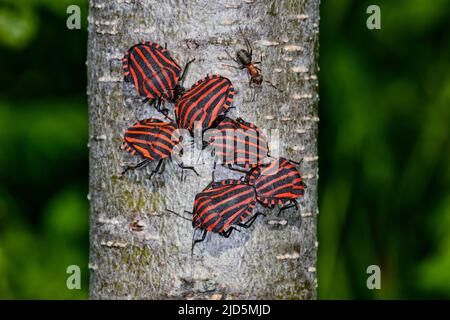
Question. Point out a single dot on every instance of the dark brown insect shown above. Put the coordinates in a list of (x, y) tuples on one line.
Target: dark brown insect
[(244, 59)]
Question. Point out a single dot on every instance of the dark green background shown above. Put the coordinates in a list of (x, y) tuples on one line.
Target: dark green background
[(384, 149)]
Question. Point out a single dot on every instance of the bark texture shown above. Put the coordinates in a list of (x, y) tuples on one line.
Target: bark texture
[(138, 251)]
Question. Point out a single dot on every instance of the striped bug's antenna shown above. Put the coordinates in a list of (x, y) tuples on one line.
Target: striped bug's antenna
[(183, 75), (193, 234), (179, 215)]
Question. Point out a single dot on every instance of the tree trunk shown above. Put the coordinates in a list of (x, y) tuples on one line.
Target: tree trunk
[(138, 250)]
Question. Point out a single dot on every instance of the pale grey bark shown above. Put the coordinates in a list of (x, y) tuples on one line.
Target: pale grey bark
[(275, 258)]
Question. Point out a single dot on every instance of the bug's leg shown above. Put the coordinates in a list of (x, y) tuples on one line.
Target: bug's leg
[(186, 66), (229, 55), (136, 166), (162, 169), (213, 177), (249, 222), (297, 163), (182, 175), (165, 113), (229, 65), (274, 86), (158, 166), (236, 169), (213, 173), (253, 90), (291, 205), (227, 233), (194, 241), (258, 62), (159, 105), (155, 103), (252, 87), (188, 168)]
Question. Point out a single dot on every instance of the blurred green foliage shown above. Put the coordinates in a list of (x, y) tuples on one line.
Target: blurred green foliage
[(384, 150), (44, 158)]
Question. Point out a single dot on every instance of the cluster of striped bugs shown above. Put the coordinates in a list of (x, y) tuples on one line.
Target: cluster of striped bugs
[(223, 206)]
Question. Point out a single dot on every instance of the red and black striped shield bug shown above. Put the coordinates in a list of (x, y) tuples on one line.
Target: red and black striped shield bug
[(278, 183), (237, 143), (204, 103), (155, 75), (153, 140), (222, 206)]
